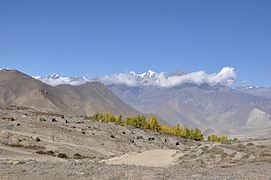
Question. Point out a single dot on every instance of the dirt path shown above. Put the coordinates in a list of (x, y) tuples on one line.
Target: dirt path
[(152, 158)]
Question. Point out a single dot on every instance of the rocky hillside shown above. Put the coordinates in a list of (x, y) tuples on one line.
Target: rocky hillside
[(37, 145), (211, 108)]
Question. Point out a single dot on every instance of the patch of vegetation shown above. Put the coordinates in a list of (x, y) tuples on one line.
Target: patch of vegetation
[(62, 155), (79, 156), (50, 153), (250, 144), (151, 124), (8, 118), (214, 138)]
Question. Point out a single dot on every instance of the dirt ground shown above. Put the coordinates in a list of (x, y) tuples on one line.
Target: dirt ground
[(35, 145)]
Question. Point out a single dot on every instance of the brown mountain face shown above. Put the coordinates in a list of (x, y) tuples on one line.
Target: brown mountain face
[(17, 88), (221, 109)]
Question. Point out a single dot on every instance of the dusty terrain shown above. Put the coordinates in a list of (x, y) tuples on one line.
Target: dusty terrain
[(35, 145)]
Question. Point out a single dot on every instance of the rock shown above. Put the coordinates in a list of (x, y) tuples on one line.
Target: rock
[(15, 162), (54, 120), (151, 139), (199, 152), (139, 137), (177, 144), (37, 139), (112, 136), (42, 119)]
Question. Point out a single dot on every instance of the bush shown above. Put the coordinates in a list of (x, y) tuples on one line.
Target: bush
[(79, 156), (62, 155), (8, 118)]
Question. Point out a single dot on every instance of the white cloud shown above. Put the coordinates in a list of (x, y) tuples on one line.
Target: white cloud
[(226, 76)]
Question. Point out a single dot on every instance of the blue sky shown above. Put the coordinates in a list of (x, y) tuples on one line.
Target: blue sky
[(100, 37)]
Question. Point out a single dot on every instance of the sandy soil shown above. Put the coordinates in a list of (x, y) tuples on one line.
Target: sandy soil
[(151, 158)]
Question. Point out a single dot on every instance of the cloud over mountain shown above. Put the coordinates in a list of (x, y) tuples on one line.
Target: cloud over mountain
[(226, 76)]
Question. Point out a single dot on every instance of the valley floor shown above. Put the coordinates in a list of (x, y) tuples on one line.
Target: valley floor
[(35, 145)]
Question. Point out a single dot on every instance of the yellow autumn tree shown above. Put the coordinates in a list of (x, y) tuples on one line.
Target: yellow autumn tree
[(153, 124)]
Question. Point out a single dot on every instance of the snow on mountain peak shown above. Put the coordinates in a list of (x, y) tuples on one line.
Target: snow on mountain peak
[(226, 76), (148, 74), (55, 79)]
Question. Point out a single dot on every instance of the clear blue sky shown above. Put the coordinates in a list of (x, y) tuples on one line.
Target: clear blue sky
[(104, 37)]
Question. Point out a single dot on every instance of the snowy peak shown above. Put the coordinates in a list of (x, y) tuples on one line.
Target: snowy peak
[(226, 76), (55, 79), (148, 74)]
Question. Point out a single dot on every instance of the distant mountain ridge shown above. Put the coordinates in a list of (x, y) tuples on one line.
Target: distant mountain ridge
[(216, 108), (17, 88), (150, 78), (256, 91), (192, 99), (55, 79)]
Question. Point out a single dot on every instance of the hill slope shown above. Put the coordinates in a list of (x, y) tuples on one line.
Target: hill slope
[(218, 108), (19, 89)]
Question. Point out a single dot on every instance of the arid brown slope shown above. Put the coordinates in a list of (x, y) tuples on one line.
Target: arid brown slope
[(17, 88)]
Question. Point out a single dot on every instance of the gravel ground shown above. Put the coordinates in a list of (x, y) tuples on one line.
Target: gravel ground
[(35, 145)]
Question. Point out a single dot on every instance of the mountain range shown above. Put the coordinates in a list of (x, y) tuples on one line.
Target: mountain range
[(17, 88), (193, 99)]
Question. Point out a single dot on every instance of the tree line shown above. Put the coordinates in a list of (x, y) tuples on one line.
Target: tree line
[(152, 124)]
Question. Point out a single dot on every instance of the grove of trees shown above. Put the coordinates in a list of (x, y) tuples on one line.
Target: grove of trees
[(150, 123), (215, 138)]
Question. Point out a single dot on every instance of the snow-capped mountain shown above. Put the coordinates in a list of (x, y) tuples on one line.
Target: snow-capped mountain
[(256, 91), (55, 79), (150, 78)]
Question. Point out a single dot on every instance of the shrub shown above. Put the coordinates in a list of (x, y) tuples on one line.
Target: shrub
[(8, 118), (79, 156), (62, 155)]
